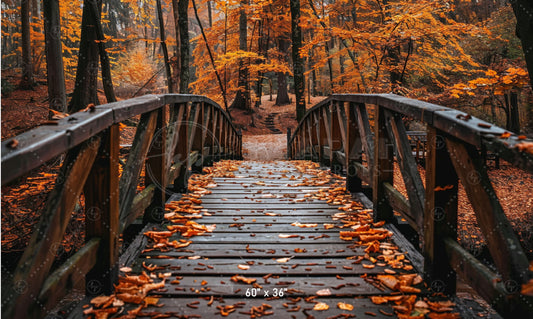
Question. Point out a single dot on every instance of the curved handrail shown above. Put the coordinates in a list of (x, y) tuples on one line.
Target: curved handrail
[(337, 132), (45, 142)]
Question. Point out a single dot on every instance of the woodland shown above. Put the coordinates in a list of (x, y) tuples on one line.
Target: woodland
[(461, 54)]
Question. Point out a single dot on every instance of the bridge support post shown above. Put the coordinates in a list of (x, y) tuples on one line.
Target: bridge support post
[(181, 152), (156, 170), (102, 214), (352, 149), (440, 213), (383, 169)]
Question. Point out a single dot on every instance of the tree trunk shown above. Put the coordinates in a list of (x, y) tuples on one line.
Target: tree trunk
[(183, 7), (297, 61), (209, 14), (86, 75), (242, 98), (283, 97), (514, 115), (164, 46), (176, 63), (27, 81), (524, 30), (54, 56)]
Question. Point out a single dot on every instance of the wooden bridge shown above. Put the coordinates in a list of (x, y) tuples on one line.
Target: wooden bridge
[(251, 239)]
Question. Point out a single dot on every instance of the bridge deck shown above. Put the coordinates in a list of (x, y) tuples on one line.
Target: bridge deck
[(255, 237)]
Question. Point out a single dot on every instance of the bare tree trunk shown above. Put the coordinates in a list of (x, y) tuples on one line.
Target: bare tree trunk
[(183, 7), (297, 62), (85, 88), (524, 30), (242, 98), (283, 97), (209, 13), (176, 63), (164, 46), (27, 81), (54, 56)]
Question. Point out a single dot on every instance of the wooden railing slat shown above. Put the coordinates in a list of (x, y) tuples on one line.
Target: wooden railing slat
[(135, 162)]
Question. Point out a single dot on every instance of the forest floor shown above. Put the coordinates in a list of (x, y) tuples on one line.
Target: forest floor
[(22, 201)]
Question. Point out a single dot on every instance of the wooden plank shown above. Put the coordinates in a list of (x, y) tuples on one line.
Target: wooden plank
[(264, 238), (399, 203), (179, 307), (181, 151), (383, 169), (39, 255), (440, 212), (408, 168), (299, 285), (503, 244), (228, 267), (254, 250), (68, 275), (272, 206), (102, 207), (139, 150), (363, 173)]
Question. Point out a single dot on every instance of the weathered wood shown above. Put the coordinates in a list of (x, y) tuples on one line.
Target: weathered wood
[(382, 171), (502, 241), (156, 169), (102, 210), (408, 168), (40, 254), (440, 212), (503, 296), (135, 162), (399, 203), (353, 149), (68, 275), (363, 173), (181, 151), (140, 203)]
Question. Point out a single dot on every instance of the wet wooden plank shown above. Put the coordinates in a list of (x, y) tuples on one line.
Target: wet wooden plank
[(229, 266)]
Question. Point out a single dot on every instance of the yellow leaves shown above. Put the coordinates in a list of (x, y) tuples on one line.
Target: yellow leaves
[(345, 306)]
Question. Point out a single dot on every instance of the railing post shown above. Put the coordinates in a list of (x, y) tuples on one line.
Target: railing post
[(156, 169), (289, 155), (195, 138), (336, 138), (182, 148), (383, 169), (440, 214), (352, 149), (102, 214)]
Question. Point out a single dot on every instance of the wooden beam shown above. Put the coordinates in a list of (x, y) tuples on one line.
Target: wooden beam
[(102, 214), (440, 212), (40, 252), (135, 162), (365, 133), (502, 241), (352, 149), (399, 203), (502, 296), (156, 169), (140, 203), (408, 168), (181, 151), (383, 168), (68, 275)]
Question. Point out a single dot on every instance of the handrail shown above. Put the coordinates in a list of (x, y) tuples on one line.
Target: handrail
[(176, 133), (338, 133)]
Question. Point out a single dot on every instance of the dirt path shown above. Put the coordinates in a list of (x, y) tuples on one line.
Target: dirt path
[(268, 147)]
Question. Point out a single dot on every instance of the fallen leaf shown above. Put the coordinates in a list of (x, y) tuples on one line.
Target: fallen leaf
[(243, 267), (323, 292), (345, 306), (320, 306)]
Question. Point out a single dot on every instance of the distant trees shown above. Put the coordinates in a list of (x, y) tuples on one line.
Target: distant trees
[(54, 56), (27, 81)]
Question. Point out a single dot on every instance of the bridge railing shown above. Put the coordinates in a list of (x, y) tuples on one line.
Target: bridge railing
[(338, 132), (175, 134)]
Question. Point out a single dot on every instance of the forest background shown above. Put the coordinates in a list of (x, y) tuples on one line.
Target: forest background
[(461, 54)]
